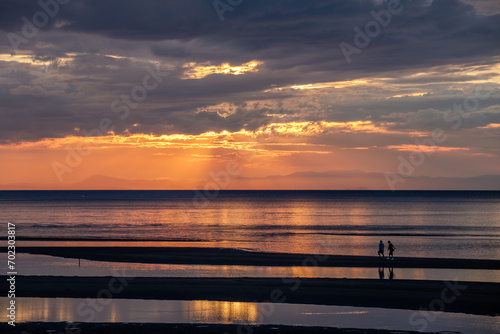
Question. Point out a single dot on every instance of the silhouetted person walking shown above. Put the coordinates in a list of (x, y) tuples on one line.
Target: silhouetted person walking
[(391, 249), (381, 249)]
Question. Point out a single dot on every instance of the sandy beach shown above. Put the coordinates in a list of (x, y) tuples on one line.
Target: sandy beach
[(473, 297), (227, 256), (98, 328)]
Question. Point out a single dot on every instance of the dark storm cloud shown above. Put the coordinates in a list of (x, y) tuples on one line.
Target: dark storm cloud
[(486, 6), (297, 40), (23, 77), (308, 35), (291, 33)]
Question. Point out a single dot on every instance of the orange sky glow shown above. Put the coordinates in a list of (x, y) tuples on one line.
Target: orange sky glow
[(170, 113)]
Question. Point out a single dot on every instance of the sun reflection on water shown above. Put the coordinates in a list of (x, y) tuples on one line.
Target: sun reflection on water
[(221, 311)]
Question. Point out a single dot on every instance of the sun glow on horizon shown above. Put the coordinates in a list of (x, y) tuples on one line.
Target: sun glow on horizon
[(209, 139)]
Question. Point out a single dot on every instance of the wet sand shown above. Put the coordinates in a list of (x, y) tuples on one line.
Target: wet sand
[(106, 328), (227, 256), (467, 297)]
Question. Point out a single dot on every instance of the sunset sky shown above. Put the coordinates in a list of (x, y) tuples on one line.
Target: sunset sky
[(281, 94)]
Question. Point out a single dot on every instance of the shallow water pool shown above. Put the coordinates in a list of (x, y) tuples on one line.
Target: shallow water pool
[(44, 265), (222, 312)]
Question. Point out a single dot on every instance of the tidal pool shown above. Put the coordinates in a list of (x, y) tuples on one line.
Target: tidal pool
[(44, 265), (223, 312)]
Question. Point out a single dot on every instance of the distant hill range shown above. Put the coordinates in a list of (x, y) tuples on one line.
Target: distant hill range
[(334, 180), (97, 182)]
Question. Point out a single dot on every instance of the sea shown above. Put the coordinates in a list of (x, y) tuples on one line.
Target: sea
[(434, 224)]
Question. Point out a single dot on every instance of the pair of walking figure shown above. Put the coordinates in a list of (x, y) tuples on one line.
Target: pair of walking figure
[(390, 248)]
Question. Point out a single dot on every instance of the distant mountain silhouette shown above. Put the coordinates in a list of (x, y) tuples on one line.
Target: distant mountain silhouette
[(98, 182), (101, 182), (334, 180), (359, 180)]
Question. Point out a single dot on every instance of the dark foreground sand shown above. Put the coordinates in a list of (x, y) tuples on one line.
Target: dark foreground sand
[(227, 256), (106, 328), (467, 297)]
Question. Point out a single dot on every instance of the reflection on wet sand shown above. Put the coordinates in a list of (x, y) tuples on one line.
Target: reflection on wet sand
[(81, 310), (44, 309), (381, 273), (84, 310), (221, 312), (226, 312), (43, 265)]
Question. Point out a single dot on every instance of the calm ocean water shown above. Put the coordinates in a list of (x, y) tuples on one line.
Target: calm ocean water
[(419, 223)]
